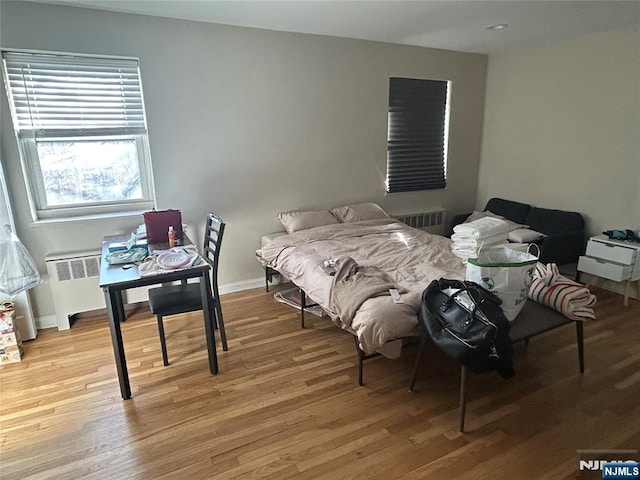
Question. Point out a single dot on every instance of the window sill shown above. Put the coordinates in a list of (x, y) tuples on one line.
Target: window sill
[(88, 218)]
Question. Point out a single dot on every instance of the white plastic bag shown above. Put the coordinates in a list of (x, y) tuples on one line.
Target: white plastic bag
[(18, 270), (506, 272)]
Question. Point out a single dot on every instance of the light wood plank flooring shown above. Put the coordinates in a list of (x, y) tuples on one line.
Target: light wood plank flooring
[(286, 404)]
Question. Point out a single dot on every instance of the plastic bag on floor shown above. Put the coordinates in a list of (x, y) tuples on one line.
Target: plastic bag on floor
[(18, 271)]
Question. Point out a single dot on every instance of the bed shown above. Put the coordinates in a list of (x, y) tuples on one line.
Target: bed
[(364, 239)]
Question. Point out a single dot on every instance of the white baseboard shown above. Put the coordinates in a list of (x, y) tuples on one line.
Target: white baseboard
[(46, 321), (240, 286)]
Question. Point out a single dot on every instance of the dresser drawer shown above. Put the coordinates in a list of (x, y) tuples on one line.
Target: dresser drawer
[(604, 269), (613, 253)]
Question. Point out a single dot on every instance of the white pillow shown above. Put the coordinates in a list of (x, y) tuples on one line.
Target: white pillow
[(359, 212), (525, 235), (477, 215), (295, 221)]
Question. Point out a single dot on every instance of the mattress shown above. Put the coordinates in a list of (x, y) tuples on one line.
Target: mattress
[(412, 258)]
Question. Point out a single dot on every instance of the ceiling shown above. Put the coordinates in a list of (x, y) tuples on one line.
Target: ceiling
[(447, 24)]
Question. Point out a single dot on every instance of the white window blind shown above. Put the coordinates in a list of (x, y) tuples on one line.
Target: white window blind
[(59, 96)]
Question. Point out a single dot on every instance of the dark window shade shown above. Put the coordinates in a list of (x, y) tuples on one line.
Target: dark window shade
[(416, 137)]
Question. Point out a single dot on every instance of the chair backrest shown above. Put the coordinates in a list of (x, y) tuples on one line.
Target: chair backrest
[(213, 231)]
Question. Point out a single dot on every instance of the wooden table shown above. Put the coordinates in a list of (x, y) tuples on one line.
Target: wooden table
[(114, 279)]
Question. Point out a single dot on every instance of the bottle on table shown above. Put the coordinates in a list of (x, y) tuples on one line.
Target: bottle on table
[(172, 237)]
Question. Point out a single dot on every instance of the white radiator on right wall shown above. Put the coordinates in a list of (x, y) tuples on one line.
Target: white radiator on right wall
[(432, 221)]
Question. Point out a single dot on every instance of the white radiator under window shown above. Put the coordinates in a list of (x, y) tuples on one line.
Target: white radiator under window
[(432, 221), (74, 284), (74, 279)]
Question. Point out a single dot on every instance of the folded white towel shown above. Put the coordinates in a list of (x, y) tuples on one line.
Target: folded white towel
[(463, 239), (483, 227), (469, 248), (463, 252)]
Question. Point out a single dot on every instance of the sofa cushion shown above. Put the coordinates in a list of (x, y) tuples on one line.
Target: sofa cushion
[(553, 222), (514, 211)]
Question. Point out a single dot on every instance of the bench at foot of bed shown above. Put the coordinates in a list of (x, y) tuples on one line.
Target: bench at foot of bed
[(534, 319)]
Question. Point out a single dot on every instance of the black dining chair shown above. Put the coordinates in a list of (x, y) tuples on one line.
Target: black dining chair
[(186, 297)]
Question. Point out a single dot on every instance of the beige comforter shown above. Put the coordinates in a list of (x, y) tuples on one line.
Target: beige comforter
[(411, 258)]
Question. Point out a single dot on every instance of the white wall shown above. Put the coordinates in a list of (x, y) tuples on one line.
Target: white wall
[(562, 128), (248, 123)]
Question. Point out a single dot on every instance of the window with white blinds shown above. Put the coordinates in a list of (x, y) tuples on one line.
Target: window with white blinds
[(55, 95), (80, 123), (417, 135)]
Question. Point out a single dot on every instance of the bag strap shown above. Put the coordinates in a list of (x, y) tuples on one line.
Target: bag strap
[(445, 283), (480, 297), (483, 293), (537, 254)]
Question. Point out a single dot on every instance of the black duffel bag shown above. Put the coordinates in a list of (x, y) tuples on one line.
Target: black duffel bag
[(468, 325)]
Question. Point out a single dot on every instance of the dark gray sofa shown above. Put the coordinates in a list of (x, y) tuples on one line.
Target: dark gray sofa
[(565, 240)]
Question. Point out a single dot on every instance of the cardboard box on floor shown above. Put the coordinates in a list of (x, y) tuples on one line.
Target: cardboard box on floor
[(10, 342)]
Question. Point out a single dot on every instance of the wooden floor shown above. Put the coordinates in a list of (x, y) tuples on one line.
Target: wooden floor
[(286, 403)]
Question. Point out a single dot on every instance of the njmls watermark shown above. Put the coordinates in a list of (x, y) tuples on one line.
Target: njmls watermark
[(609, 464)]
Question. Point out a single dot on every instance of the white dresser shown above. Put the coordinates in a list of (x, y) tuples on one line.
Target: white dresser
[(614, 260)]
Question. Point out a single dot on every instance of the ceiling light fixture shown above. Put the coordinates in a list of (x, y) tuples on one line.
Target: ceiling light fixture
[(497, 27)]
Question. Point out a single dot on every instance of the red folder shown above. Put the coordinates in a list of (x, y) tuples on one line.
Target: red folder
[(157, 223)]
